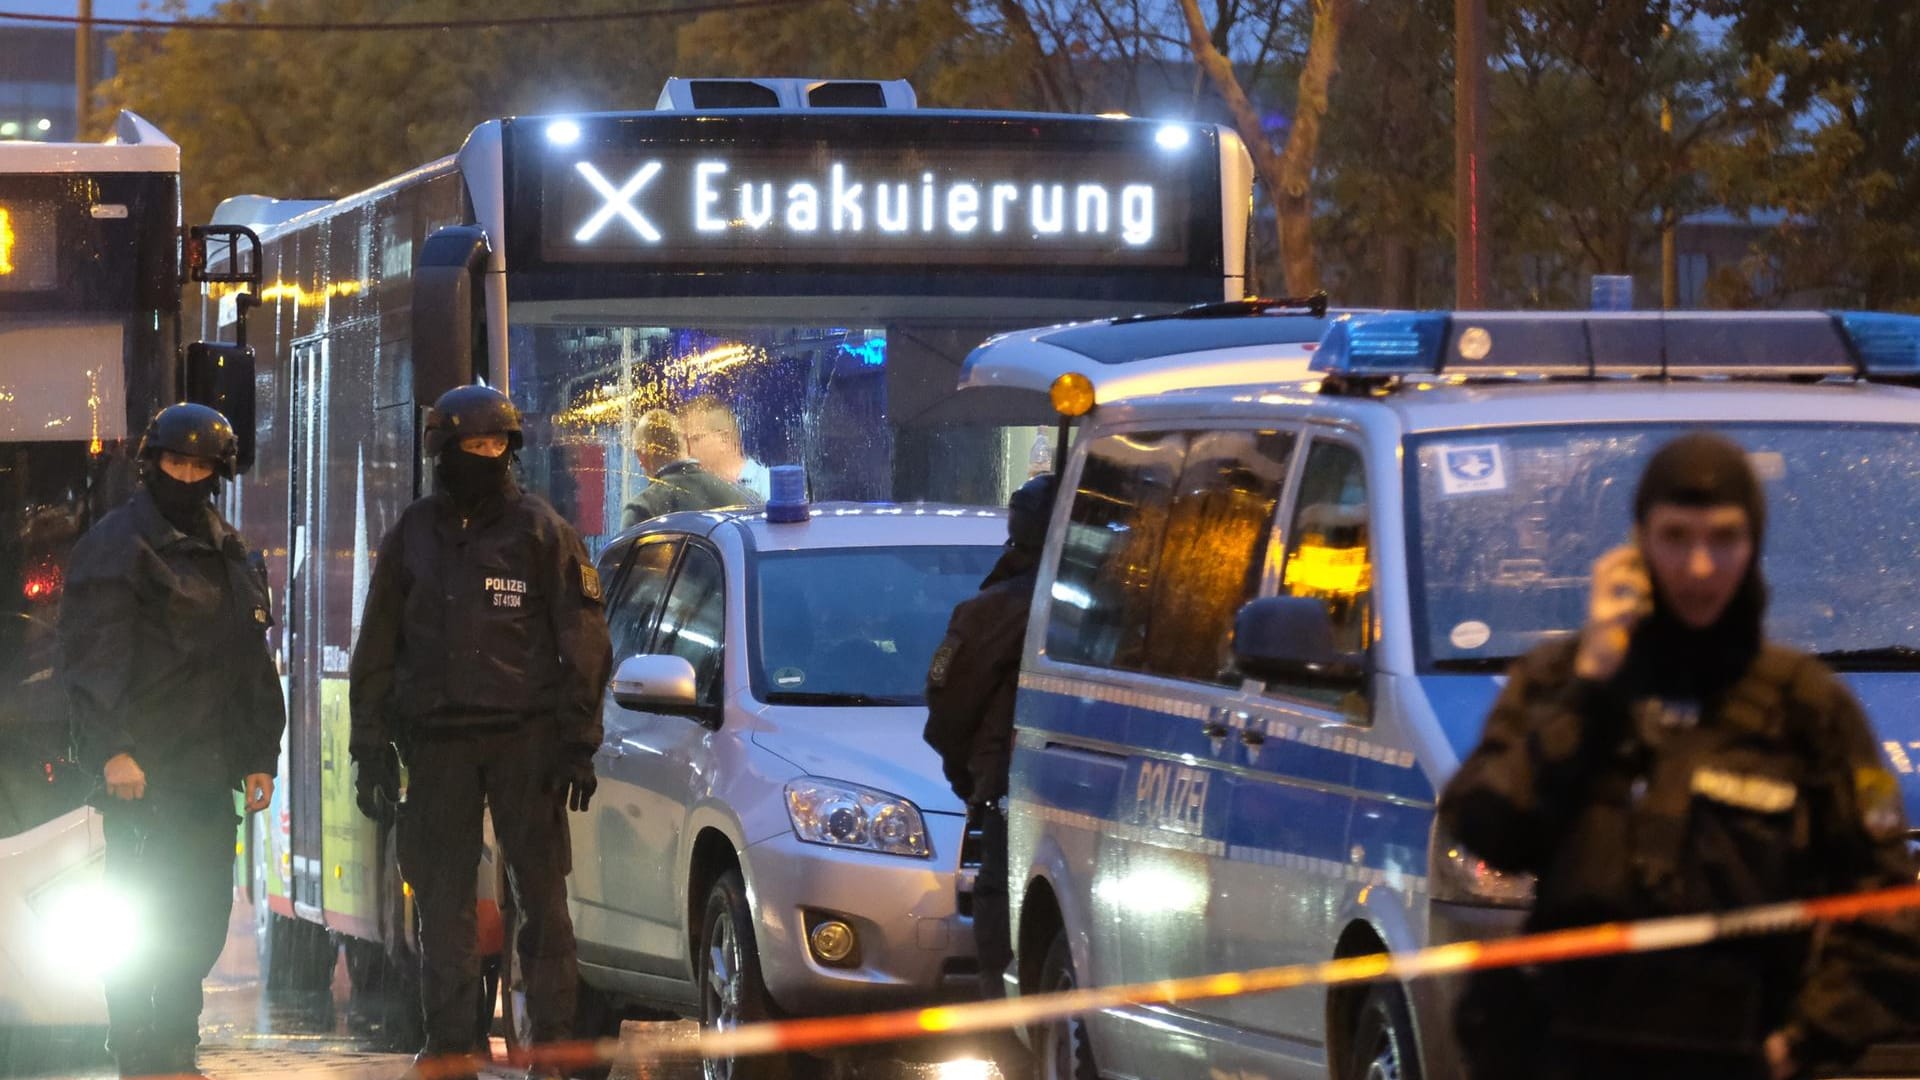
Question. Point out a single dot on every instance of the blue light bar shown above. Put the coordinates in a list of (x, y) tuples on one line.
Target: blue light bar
[(1886, 345), (1396, 343), (1526, 344)]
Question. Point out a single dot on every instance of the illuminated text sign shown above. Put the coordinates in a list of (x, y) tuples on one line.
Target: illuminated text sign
[(27, 246), (815, 203)]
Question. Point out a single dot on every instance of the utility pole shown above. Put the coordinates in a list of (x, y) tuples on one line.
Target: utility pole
[(1669, 257), (1473, 263), (82, 70)]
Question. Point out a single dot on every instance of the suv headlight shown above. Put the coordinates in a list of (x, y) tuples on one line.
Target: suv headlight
[(1461, 877), (847, 815)]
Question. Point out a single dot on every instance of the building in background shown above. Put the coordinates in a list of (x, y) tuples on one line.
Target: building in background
[(36, 82)]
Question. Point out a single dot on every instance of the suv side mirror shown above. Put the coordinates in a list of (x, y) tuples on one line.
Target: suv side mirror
[(656, 683), (1290, 639), (220, 376)]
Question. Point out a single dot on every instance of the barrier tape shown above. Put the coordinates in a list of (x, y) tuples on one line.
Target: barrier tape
[(1580, 943)]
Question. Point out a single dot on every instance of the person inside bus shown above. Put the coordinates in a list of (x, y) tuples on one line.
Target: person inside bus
[(713, 439), (174, 701), (676, 480)]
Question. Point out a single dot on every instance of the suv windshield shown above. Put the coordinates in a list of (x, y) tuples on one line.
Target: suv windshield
[(856, 626), (1506, 524)]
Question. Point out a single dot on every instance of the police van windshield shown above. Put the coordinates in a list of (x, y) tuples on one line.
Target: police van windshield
[(1507, 524), (856, 626)]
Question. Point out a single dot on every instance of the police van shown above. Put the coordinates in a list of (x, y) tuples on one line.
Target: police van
[(1438, 489)]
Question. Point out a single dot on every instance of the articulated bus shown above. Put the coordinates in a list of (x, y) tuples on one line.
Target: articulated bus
[(796, 269), (89, 328)]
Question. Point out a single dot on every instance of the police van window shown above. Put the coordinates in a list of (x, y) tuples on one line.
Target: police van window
[(1328, 545), (630, 619), (1166, 539), (693, 624)]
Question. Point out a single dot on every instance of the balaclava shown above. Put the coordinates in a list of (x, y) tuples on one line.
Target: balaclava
[(187, 507), (470, 479), (1667, 657)]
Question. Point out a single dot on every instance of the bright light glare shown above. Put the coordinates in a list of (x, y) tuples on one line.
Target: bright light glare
[(1172, 137), (563, 133), (966, 1069), (44, 124), (89, 928)]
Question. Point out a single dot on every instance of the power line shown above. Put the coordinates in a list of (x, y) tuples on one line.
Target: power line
[(439, 24)]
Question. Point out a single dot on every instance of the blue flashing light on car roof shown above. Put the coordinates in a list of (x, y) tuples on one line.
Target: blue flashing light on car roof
[(1392, 343), (1886, 345), (787, 495)]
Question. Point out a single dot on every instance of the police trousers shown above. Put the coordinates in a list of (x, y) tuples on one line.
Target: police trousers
[(452, 779), (170, 859), (992, 917)]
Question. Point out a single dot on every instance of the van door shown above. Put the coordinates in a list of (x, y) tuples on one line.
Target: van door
[(1166, 538)]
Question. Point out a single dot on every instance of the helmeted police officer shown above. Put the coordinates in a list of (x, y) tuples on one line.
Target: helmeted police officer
[(175, 700), (1669, 760), (970, 691), (482, 657)]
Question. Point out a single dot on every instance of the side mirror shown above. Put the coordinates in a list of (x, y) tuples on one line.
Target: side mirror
[(1290, 639), (444, 312), (656, 683), (220, 376)]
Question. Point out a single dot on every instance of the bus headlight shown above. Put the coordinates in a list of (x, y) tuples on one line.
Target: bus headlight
[(87, 927), (839, 814)]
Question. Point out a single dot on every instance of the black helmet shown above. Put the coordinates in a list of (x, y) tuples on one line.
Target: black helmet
[(1028, 510), (194, 430), (471, 410)]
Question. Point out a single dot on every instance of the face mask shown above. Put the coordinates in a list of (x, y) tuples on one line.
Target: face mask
[(469, 478), (184, 505)]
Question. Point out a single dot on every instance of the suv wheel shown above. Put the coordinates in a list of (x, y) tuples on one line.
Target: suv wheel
[(1062, 1047), (1382, 1046), (731, 991)]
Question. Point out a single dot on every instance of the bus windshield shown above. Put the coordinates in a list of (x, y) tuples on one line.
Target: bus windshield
[(866, 418), (1504, 560)]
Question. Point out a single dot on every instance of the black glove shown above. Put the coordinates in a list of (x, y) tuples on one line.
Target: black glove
[(376, 783), (573, 779)]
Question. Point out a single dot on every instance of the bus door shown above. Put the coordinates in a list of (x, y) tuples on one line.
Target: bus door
[(306, 578)]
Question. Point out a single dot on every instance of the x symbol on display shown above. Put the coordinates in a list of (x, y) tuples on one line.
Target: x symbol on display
[(619, 203)]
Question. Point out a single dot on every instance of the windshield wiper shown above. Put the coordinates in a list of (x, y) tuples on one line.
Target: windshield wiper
[(1878, 658), (1491, 665), (822, 697)]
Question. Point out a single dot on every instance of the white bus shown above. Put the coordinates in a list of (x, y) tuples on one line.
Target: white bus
[(796, 268)]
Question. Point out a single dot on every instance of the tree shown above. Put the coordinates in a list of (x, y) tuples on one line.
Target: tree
[(1286, 173), (312, 114), (1832, 141)]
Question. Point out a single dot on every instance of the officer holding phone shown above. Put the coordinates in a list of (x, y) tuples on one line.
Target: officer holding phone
[(1669, 760)]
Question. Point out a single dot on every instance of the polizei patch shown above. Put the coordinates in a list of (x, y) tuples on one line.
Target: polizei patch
[(506, 592)]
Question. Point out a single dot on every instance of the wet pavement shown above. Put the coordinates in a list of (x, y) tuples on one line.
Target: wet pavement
[(247, 1032)]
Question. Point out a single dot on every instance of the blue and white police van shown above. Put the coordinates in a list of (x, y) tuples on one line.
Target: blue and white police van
[(1442, 485)]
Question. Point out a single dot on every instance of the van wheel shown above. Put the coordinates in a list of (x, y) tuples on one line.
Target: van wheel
[(1062, 1047), (1382, 1047), (732, 993)]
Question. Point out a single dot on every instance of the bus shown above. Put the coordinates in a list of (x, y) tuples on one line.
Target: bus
[(90, 278), (795, 269)]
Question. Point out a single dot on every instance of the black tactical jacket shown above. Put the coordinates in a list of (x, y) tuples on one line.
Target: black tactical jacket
[(1772, 792), (164, 656), (685, 485), (974, 676), (480, 621)]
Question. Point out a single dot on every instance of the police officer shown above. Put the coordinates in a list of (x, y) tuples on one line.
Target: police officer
[(481, 662), (1669, 760), (175, 700), (970, 690)]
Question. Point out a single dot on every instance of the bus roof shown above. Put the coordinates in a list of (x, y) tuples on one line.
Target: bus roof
[(136, 146)]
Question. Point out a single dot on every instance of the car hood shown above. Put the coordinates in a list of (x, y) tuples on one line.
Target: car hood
[(878, 748), (1891, 700)]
